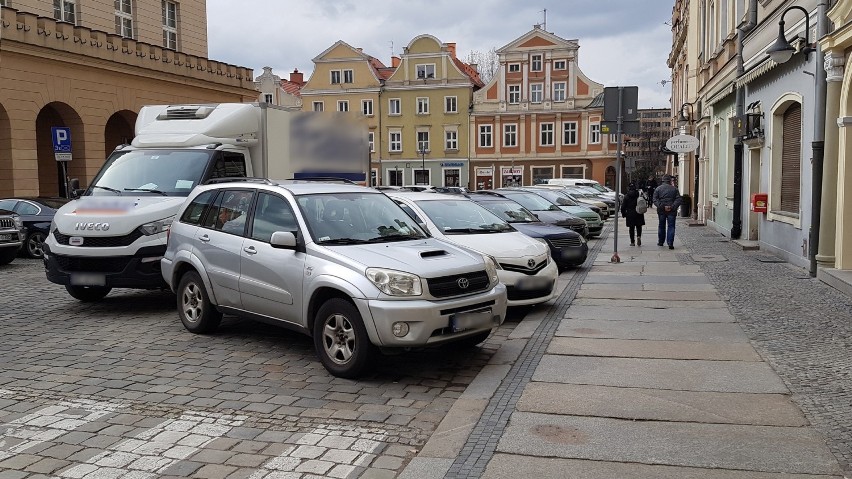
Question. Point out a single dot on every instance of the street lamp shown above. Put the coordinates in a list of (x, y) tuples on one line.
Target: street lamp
[(781, 51), (685, 119)]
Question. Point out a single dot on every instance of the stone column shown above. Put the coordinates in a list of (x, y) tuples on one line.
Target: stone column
[(834, 63)]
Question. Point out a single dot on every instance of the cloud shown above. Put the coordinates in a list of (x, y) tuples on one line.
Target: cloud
[(622, 42)]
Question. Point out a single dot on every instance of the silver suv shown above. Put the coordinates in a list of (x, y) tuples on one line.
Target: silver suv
[(341, 263)]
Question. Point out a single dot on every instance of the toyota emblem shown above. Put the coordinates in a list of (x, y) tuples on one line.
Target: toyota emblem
[(463, 283), (531, 263)]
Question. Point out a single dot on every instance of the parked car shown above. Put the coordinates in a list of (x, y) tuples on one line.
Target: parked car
[(36, 215), (565, 203), (11, 236), (524, 264), (452, 190), (594, 194), (419, 188), (568, 248), (545, 211), (341, 263)]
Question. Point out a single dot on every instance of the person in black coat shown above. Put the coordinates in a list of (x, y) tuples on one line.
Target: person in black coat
[(634, 220)]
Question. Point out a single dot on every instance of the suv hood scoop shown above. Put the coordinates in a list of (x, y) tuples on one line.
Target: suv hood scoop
[(433, 253)]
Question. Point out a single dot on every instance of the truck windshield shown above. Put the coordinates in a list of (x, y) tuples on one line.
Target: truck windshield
[(151, 173)]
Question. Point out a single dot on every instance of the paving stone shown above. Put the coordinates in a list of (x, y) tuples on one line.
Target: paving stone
[(740, 351), (660, 331)]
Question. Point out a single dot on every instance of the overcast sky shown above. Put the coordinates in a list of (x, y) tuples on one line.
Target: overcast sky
[(622, 42)]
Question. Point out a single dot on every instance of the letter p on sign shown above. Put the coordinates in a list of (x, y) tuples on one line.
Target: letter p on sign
[(61, 137)]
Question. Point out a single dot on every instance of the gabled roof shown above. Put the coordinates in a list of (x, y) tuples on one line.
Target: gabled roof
[(292, 88), (355, 51), (382, 71), (470, 72), (538, 37)]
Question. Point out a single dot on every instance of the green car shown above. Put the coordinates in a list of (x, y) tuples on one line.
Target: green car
[(565, 203)]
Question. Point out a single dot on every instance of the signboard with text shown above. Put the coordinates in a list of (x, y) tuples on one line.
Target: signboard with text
[(61, 137)]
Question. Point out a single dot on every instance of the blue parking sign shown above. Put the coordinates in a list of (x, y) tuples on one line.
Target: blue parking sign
[(61, 137)]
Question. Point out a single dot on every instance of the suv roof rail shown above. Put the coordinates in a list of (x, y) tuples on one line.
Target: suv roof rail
[(326, 179), (233, 179)]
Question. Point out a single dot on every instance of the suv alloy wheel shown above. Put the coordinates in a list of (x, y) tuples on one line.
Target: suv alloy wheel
[(196, 312), (340, 339)]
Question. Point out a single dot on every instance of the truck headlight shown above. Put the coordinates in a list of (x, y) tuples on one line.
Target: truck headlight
[(395, 283), (491, 267), (156, 227)]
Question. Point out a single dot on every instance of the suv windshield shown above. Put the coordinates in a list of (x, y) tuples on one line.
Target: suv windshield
[(509, 211), (530, 201), (462, 217), (151, 172), (356, 218)]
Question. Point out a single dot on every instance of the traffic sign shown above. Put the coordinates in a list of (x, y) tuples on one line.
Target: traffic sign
[(61, 137), (682, 143)]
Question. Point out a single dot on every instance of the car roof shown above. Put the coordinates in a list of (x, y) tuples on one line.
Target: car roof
[(421, 195), (296, 187), (487, 197)]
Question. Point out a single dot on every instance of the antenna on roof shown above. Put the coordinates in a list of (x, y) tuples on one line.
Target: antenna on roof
[(544, 24), (391, 45)]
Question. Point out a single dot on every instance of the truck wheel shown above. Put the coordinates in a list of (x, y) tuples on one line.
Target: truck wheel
[(7, 255), (88, 294), (34, 242), (340, 339), (196, 312), (471, 341)]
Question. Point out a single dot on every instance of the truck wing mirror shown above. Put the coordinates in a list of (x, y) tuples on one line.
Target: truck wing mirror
[(74, 188)]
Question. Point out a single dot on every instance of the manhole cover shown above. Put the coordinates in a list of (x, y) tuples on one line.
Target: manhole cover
[(708, 258)]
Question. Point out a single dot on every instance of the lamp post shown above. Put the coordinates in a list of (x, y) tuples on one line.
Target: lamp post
[(782, 51), (685, 122)]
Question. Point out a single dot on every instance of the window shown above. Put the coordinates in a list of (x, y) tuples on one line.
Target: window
[(348, 76), (573, 172), (514, 67), (540, 175), (318, 106), (170, 25), (426, 71), (422, 141), (546, 137), (230, 217), (452, 177), (510, 134), (422, 177), (536, 91), (371, 142), (595, 133), (514, 94), (272, 214), (335, 77), (422, 106), (559, 91), (229, 165), (267, 97), (451, 104), (342, 105), (193, 212), (560, 65), (367, 107), (394, 107), (485, 136), (395, 177), (124, 18), (451, 140), (569, 133), (535, 63), (65, 10), (395, 141), (613, 139), (791, 158)]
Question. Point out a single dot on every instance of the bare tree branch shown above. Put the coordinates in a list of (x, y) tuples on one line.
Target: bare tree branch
[(486, 63)]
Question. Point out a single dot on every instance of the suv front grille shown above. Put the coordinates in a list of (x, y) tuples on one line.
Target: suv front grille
[(7, 223), (95, 265), (445, 286), (524, 269), (565, 243), (100, 241)]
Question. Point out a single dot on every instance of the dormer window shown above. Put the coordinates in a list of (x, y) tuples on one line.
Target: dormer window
[(425, 72)]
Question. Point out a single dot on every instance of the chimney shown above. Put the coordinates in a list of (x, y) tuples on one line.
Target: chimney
[(452, 49), (395, 61), (297, 77)]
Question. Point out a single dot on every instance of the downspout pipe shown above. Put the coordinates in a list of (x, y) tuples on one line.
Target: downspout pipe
[(818, 143), (742, 31)]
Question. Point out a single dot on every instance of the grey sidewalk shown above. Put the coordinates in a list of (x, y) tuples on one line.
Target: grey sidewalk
[(647, 374)]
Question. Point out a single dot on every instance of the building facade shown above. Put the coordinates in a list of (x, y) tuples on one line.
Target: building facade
[(644, 150), (275, 91), (90, 66), (539, 117)]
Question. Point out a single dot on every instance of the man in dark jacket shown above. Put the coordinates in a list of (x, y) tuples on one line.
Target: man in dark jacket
[(667, 199), (635, 220)]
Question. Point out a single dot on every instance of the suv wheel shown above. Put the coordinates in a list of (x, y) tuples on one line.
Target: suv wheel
[(88, 294), (34, 249), (196, 312), (341, 340), (7, 255)]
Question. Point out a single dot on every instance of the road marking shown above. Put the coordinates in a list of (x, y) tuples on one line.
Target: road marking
[(151, 452), (48, 423)]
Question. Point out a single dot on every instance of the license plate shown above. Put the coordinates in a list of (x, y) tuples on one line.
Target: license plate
[(471, 320), (88, 279), (571, 253), (6, 238), (527, 284)]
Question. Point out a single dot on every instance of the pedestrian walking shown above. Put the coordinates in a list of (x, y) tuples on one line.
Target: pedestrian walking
[(633, 209), (651, 186), (666, 199)]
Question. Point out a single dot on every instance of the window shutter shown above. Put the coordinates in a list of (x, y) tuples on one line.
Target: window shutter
[(791, 159)]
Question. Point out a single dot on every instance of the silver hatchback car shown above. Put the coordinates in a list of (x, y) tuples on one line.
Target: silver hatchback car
[(341, 263)]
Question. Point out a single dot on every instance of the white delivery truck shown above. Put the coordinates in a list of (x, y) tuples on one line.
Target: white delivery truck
[(114, 233)]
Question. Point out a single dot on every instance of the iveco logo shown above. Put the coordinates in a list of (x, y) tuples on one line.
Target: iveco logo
[(463, 283), (531, 263), (91, 226)]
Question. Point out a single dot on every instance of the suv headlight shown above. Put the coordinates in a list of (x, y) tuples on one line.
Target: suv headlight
[(395, 283), (491, 267), (156, 227), (17, 221)]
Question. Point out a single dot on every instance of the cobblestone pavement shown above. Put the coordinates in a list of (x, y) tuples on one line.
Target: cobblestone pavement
[(802, 326), (120, 389)]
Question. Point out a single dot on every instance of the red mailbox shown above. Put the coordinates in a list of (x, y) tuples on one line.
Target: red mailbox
[(759, 202)]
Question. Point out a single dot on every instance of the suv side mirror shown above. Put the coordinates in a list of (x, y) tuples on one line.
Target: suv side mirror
[(283, 240)]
